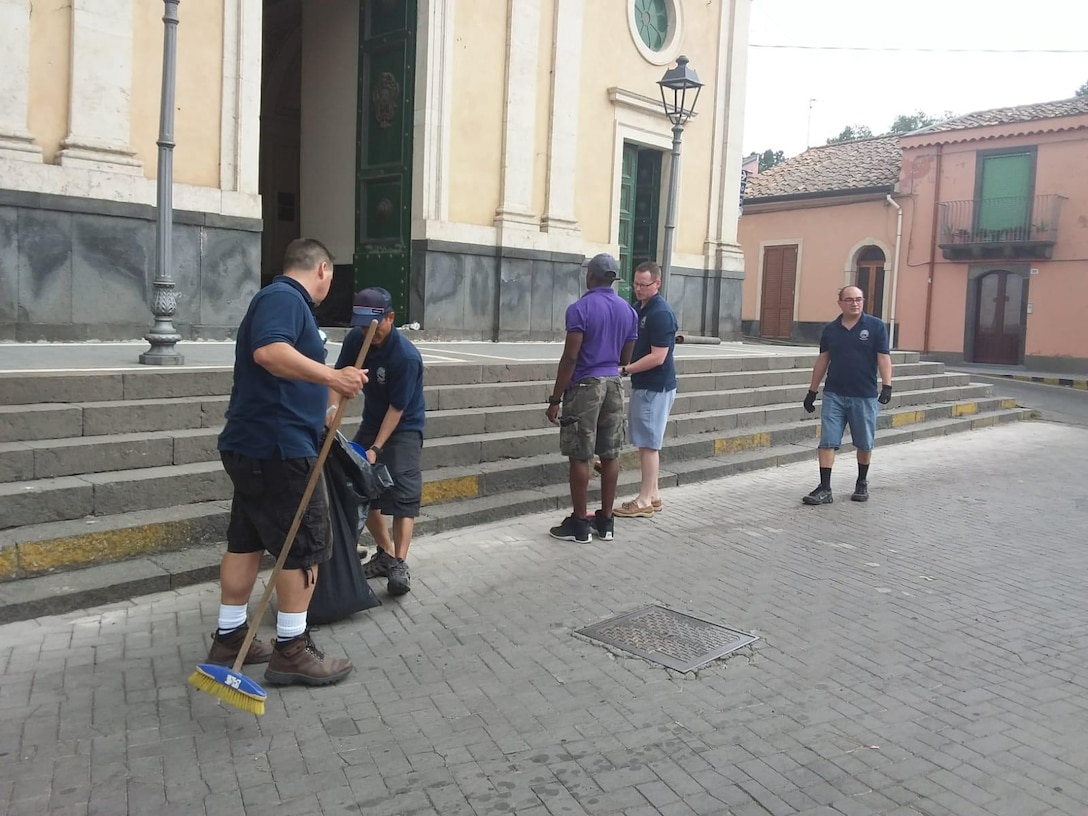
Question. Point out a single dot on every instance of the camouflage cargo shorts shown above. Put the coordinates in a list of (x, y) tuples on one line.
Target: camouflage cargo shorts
[(593, 419)]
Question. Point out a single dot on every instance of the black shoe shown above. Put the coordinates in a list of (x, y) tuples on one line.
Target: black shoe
[(379, 564), (861, 491), (604, 527), (821, 495), (572, 529), (400, 580)]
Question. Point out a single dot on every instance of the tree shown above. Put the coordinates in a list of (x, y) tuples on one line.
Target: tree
[(851, 133), (1082, 90), (769, 158), (906, 122)]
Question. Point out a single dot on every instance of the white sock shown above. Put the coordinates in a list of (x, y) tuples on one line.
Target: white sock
[(231, 617), (290, 624)]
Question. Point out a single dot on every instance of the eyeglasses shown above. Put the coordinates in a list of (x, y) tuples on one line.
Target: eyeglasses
[(851, 300), (646, 285)]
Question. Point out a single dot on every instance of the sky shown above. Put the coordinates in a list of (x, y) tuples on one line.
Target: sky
[(801, 97)]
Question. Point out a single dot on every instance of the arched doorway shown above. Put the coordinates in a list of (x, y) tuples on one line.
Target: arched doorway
[(999, 317), (869, 278)]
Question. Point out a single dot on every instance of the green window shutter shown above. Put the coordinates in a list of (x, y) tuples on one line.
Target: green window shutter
[(1005, 192)]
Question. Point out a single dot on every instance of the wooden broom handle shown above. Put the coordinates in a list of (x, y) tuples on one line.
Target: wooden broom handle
[(311, 485)]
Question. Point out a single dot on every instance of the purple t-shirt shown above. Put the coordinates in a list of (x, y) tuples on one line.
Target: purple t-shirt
[(606, 321)]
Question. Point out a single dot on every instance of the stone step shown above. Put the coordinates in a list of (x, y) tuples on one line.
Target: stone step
[(464, 474), (184, 468), (134, 554), (30, 388)]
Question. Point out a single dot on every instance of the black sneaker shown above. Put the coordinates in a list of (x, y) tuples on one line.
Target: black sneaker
[(604, 527), (861, 491), (400, 580), (821, 495), (572, 529), (379, 564)]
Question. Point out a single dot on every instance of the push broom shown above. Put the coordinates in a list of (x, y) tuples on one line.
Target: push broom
[(229, 684)]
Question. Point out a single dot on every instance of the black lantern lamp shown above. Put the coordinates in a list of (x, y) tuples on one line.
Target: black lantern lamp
[(679, 92)]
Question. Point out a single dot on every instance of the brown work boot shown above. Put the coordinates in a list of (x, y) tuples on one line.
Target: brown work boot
[(299, 661), (225, 648)]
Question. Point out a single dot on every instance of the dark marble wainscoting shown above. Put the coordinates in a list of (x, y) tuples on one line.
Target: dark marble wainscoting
[(468, 291), (83, 269)]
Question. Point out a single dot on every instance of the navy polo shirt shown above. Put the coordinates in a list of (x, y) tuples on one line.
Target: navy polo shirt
[(270, 417), (395, 379), (853, 371), (656, 327)]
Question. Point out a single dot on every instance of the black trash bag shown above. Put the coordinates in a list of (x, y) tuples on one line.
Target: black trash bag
[(352, 482)]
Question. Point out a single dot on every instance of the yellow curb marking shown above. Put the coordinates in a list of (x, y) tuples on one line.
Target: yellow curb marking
[(964, 410), (9, 563), (1008, 403), (908, 418), (464, 487), (741, 443), (94, 548)]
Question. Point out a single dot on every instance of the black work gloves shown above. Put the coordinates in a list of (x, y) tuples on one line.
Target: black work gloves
[(810, 401), (885, 395)]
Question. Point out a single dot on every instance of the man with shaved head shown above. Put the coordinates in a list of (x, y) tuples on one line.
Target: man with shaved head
[(853, 349)]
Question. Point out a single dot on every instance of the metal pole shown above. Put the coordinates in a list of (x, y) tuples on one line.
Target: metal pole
[(670, 210), (162, 336)]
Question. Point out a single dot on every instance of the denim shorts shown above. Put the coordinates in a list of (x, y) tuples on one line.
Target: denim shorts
[(647, 416), (859, 413)]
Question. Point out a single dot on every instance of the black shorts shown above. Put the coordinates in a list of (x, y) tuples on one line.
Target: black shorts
[(266, 497), (400, 455)]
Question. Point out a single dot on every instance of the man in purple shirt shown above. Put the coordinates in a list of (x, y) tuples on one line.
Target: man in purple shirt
[(601, 331)]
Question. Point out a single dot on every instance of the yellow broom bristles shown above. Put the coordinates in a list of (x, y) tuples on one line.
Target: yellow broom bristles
[(233, 697)]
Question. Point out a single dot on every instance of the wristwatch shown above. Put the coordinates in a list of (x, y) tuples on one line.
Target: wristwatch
[(376, 449), (555, 400), (623, 371)]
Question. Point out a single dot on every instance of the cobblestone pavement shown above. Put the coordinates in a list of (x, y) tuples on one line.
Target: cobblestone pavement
[(920, 654)]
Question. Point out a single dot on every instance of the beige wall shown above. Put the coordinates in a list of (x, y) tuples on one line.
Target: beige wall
[(829, 239), (199, 85), (479, 71), (621, 65), (50, 69), (1058, 294), (199, 89)]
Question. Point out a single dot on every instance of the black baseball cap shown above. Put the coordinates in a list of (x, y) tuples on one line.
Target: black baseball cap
[(604, 266), (372, 303)]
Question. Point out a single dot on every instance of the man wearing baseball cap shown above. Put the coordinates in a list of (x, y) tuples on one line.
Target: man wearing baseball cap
[(601, 331), (394, 416)]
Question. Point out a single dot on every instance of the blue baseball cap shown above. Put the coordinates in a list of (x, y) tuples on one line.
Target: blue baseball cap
[(372, 303)]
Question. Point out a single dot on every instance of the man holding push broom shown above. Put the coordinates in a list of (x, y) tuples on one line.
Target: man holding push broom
[(269, 447)]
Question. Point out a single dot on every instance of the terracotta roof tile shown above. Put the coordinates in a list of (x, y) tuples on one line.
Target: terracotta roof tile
[(854, 165), (1006, 116)]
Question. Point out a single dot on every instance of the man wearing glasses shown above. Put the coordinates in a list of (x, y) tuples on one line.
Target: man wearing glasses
[(653, 387), (853, 349)]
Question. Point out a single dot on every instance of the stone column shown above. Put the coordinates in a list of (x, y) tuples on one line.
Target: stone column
[(16, 142), (519, 116), (563, 135), (98, 106)]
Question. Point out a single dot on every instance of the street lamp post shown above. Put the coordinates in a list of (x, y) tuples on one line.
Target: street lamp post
[(676, 86), (162, 336)]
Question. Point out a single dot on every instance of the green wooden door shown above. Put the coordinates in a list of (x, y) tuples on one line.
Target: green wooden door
[(640, 204), (383, 202), (647, 204), (627, 207), (1004, 196)]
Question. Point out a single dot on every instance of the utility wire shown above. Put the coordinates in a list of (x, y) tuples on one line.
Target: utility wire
[(923, 50)]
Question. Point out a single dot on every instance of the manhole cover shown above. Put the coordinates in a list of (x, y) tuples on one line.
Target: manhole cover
[(670, 638)]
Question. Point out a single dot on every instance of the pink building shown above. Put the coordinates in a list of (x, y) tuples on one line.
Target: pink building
[(969, 237)]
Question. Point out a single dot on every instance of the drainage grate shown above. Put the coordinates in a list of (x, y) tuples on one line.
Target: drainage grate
[(672, 639)]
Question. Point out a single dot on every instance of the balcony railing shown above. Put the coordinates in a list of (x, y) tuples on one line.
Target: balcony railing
[(1010, 227)]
